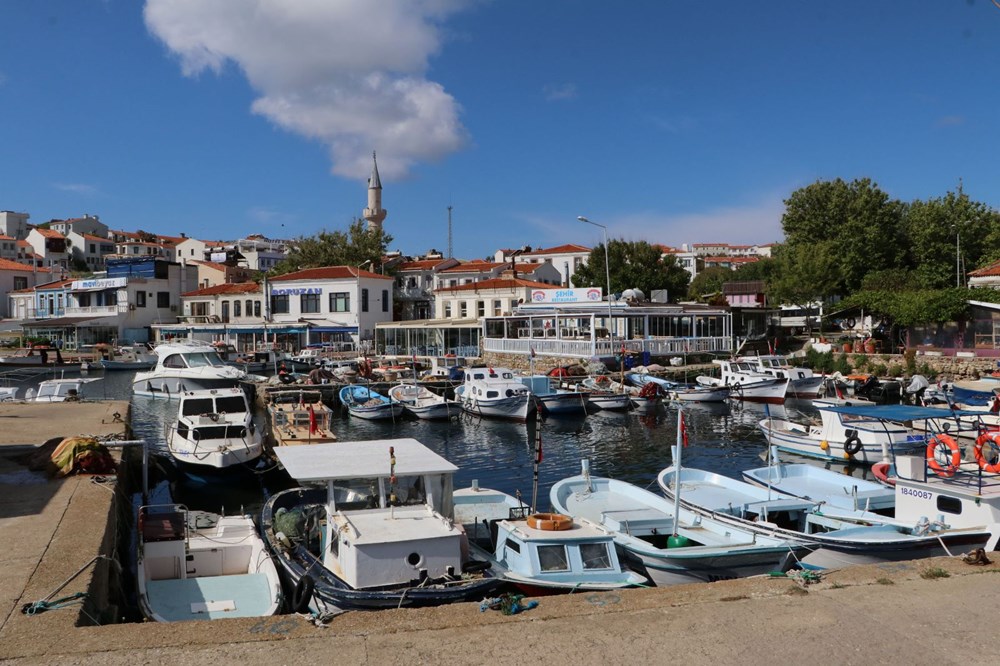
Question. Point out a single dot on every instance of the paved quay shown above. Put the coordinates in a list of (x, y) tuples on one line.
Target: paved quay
[(930, 611)]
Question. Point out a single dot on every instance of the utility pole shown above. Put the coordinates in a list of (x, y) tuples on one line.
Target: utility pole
[(449, 232)]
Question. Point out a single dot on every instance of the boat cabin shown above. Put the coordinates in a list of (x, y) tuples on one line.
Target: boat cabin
[(385, 511), (213, 414)]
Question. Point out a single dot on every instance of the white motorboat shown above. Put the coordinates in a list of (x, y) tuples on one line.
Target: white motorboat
[(674, 544), (214, 429), (746, 384), (864, 433), (186, 366), (194, 565), (537, 552), (831, 537), (59, 390), (680, 392), (803, 382), (495, 392), (126, 357), (375, 530), (424, 403), (8, 393)]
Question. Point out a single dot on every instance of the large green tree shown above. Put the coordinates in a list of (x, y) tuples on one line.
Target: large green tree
[(950, 236), (634, 265), (860, 221), (336, 248), (709, 282)]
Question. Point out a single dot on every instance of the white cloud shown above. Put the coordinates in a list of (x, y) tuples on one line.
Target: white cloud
[(562, 91), (745, 224), (349, 73), (951, 121), (76, 188), (265, 215)]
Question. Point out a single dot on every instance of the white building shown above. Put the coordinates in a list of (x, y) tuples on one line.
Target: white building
[(88, 224), (566, 259), (90, 249), (51, 246), (15, 277), (492, 297), (14, 224)]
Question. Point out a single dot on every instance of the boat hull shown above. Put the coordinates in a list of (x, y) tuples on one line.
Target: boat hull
[(173, 386), (516, 408)]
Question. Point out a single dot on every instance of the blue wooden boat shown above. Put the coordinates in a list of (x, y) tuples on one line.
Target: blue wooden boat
[(540, 553), (365, 403), (376, 534)]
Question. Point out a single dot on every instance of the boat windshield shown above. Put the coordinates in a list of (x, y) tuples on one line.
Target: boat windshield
[(202, 359)]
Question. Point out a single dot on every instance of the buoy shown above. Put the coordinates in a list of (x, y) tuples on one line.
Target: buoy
[(825, 445), (678, 541)]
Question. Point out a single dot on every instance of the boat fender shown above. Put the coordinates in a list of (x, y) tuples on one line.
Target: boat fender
[(852, 445), (302, 594), (824, 445), (991, 438), (555, 522), (952, 459)]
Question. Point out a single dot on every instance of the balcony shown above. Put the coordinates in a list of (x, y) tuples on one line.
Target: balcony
[(94, 311)]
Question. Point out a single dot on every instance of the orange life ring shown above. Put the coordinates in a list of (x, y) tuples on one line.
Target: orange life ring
[(954, 450), (555, 522), (994, 438)]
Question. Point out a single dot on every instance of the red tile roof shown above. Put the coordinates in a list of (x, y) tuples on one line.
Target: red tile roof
[(422, 265), (101, 239), (8, 265), (58, 284), (474, 266), (526, 267), (987, 271), (498, 283), (49, 233), (226, 289), (210, 264), (329, 273), (560, 249)]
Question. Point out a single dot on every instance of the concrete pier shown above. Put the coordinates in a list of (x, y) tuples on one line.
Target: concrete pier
[(929, 611)]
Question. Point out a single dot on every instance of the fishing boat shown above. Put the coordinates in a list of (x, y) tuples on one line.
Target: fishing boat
[(674, 544), (553, 400), (540, 553), (823, 486), (59, 390), (424, 403), (194, 565), (214, 430), (495, 392), (126, 357), (364, 403), (602, 393), (848, 432), (745, 383), (832, 537), (41, 357), (678, 391), (377, 533), (299, 416), (803, 383), (186, 366)]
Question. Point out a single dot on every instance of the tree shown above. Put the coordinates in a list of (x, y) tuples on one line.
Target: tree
[(938, 229), (633, 265), (335, 248), (863, 223), (709, 281)]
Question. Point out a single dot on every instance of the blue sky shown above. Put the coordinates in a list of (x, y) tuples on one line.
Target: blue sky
[(668, 121)]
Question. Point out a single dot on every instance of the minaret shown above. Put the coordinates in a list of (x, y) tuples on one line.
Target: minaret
[(375, 214)]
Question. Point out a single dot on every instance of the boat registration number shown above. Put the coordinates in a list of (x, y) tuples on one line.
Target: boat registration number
[(919, 494)]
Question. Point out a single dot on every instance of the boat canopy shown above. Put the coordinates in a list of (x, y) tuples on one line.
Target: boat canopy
[(367, 459), (898, 413)]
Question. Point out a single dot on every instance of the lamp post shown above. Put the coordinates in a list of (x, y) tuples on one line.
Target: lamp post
[(607, 277), (357, 277)]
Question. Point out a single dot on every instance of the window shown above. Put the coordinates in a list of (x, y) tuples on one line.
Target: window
[(340, 302), (385, 300), (595, 556), (237, 309), (512, 545), (93, 249), (309, 303), (225, 311), (364, 300), (163, 299), (249, 307), (140, 299), (481, 308), (447, 310), (199, 309), (256, 309), (553, 558), (279, 304), (463, 309), (20, 283), (84, 300)]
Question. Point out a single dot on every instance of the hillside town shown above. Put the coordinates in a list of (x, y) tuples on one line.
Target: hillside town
[(78, 283)]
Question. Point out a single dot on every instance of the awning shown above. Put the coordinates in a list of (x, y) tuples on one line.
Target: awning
[(333, 329), (230, 328), (65, 322)]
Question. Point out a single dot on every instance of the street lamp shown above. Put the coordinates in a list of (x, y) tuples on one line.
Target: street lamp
[(607, 277), (357, 277)]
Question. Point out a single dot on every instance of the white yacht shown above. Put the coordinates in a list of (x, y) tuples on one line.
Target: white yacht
[(214, 428), (186, 366)]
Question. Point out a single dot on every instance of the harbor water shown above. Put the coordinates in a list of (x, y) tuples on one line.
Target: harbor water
[(498, 454)]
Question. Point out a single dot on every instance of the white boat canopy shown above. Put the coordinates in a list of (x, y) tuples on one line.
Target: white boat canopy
[(354, 460)]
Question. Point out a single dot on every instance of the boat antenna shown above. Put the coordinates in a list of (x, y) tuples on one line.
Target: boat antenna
[(392, 476), (677, 467)]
